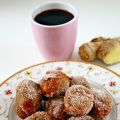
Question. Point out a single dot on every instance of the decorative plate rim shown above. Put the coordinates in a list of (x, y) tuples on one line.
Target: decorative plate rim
[(52, 61)]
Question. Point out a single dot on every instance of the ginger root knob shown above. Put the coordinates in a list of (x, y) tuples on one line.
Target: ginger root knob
[(106, 49), (87, 51)]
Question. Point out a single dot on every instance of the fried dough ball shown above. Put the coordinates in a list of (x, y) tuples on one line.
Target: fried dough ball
[(54, 84), (102, 104), (55, 108), (79, 80), (28, 97), (39, 116), (99, 118), (19, 111), (78, 100), (86, 117)]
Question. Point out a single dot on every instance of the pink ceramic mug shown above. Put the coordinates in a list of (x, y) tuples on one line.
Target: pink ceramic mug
[(55, 42)]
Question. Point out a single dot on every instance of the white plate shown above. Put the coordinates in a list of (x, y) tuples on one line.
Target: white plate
[(97, 76)]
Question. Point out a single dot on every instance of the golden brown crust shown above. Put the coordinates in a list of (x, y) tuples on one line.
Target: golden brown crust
[(99, 118), (102, 104), (54, 84), (79, 80), (86, 117), (55, 108), (28, 96), (39, 116), (78, 100), (19, 111)]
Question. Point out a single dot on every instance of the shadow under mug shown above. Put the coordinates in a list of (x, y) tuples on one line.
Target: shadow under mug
[(55, 42)]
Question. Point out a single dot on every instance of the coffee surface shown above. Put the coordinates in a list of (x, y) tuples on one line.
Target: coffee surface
[(53, 17)]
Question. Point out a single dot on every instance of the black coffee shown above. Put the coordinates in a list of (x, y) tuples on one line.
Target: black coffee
[(53, 17)]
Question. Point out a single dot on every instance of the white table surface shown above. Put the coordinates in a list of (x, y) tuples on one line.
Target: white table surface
[(17, 46)]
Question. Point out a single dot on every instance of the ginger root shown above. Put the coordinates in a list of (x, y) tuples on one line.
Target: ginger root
[(106, 49), (109, 52), (87, 51)]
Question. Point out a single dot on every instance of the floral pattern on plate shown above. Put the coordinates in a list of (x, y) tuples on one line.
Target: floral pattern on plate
[(106, 78)]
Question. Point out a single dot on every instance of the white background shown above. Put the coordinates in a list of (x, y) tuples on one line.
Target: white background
[(17, 46)]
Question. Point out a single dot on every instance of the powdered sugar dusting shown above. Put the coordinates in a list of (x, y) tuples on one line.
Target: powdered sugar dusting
[(52, 74), (86, 117), (54, 107), (28, 94), (101, 98), (102, 104), (29, 87), (54, 83), (39, 116), (79, 80), (78, 98)]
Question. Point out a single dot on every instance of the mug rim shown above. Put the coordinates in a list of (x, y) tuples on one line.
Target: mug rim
[(55, 2)]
